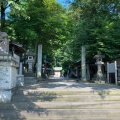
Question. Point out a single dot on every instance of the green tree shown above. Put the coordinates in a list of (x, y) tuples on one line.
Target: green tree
[(16, 6), (47, 25), (96, 28)]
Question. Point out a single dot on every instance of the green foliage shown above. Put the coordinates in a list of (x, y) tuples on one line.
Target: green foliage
[(97, 26), (48, 25), (62, 32), (17, 7)]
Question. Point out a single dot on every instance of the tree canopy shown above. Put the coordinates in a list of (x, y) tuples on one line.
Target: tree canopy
[(97, 26), (62, 31), (47, 24), (17, 7)]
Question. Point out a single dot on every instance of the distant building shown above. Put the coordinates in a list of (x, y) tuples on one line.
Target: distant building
[(57, 71)]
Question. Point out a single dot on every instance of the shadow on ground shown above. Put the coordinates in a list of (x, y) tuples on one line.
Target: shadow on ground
[(103, 90), (25, 103), (27, 98)]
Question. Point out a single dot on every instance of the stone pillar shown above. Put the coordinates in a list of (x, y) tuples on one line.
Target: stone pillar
[(8, 70), (8, 77), (20, 77), (99, 72), (83, 64), (39, 61), (30, 67), (20, 68), (99, 64)]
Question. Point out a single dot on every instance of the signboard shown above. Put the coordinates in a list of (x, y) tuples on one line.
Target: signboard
[(112, 68)]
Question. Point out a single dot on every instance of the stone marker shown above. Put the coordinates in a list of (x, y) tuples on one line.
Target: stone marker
[(83, 64), (39, 61)]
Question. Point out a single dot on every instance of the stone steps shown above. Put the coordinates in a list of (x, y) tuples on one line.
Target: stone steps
[(36, 91), (57, 101), (62, 119), (67, 98), (61, 114), (30, 80), (29, 74), (59, 105)]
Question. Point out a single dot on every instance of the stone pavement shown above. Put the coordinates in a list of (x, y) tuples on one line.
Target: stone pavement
[(72, 84), (63, 99)]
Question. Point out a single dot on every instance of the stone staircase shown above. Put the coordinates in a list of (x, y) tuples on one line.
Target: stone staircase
[(30, 80), (29, 74), (63, 100)]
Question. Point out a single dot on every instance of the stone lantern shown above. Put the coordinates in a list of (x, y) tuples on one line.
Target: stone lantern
[(99, 64), (30, 60)]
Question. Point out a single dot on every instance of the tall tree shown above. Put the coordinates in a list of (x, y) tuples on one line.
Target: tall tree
[(47, 25), (17, 7), (96, 26)]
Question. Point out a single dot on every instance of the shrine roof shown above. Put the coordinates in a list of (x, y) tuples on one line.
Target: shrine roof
[(18, 47)]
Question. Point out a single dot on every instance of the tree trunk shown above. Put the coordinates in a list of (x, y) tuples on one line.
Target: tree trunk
[(2, 18)]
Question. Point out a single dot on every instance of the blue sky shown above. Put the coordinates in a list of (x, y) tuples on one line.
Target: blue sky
[(65, 3)]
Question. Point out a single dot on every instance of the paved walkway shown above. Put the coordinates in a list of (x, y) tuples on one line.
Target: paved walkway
[(72, 84), (63, 99)]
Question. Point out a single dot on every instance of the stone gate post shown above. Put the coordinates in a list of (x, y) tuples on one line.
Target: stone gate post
[(39, 62), (83, 64), (8, 70)]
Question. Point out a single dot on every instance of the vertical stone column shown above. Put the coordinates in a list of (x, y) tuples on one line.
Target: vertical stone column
[(83, 64), (20, 77), (30, 67), (20, 68), (8, 70), (8, 77), (39, 61)]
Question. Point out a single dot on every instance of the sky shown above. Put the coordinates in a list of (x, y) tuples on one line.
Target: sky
[(64, 3)]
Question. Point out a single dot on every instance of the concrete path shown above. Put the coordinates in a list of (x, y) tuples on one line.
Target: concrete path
[(72, 84)]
